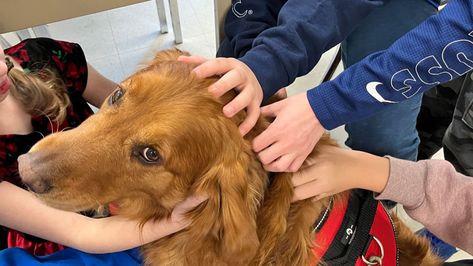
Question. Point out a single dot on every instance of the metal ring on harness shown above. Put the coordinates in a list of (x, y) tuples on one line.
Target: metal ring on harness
[(375, 260)]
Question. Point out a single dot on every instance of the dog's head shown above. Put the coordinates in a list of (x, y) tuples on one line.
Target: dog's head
[(157, 139)]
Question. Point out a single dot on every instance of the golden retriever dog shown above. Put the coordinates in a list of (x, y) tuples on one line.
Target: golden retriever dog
[(160, 137)]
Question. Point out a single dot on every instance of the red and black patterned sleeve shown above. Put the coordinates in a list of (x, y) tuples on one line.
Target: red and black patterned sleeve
[(66, 58)]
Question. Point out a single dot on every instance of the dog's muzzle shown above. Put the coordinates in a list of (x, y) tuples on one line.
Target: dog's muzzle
[(31, 176)]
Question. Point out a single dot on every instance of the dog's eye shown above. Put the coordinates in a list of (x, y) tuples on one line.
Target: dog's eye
[(146, 154), (150, 155), (116, 95)]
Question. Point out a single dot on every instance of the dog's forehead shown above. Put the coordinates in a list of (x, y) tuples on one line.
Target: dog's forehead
[(172, 83), (167, 95)]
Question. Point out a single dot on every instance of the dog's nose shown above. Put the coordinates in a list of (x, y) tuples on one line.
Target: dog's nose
[(31, 178)]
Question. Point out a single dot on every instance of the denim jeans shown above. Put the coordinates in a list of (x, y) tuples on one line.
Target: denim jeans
[(393, 130)]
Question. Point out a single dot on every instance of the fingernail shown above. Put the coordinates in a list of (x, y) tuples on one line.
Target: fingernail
[(228, 111), (196, 72)]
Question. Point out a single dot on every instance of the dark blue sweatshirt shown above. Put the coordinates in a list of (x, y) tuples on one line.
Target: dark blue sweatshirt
[(437, 51), (281, 40)]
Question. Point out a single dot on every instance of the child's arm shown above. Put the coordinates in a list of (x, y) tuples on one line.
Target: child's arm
[(432, 192), (98, 87), (22, 211), (334, 170), (436, 195)]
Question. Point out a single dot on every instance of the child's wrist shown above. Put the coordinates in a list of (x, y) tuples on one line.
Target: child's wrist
[(376, 172), (368, 171)]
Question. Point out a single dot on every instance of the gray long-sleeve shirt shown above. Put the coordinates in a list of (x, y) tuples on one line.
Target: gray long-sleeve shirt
[(434, 194)]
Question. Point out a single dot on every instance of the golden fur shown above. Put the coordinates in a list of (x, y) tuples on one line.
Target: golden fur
[(247, 219)]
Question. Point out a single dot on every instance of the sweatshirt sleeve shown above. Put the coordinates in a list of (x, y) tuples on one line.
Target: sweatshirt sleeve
[(305, 29), (437, 51), (434, 194)]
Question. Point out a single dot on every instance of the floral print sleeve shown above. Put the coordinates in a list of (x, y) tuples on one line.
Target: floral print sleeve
[(66, 58)]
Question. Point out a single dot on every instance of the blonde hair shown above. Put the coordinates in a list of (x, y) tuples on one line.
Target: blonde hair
[(40, 93)]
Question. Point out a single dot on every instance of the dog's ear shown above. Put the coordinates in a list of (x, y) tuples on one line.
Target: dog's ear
[(238, 216), (235, 190)]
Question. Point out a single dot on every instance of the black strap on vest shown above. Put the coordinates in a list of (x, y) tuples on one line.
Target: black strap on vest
[(353, 237)]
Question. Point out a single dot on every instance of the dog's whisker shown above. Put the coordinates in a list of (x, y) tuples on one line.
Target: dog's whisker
[(50, 121), (39, 132)]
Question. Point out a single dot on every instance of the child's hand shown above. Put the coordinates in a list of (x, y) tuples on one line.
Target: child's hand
[(118, 233), (280, 95), (327, 174), (285, 144), (178, 216), (153, 230), (335, 169), (235, 75)]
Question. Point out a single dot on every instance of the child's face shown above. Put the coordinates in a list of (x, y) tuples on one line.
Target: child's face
[(4, 81)]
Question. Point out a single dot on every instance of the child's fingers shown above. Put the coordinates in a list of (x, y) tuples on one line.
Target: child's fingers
[(296, 164), (241, 101), (320, 196), (227, 82), (303, 176), (272, 110), (281, 164), (188, 204), (193, 201), (218, 66), (192, 59), (267, 156), (306, 191), (266, 138), (250, 120)]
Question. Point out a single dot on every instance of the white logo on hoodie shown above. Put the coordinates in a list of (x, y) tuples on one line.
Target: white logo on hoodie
[(456, 58), (239, 14)]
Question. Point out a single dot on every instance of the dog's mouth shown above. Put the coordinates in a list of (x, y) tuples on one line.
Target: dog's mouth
[(74, 203), (60, 193), (113, 208)]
